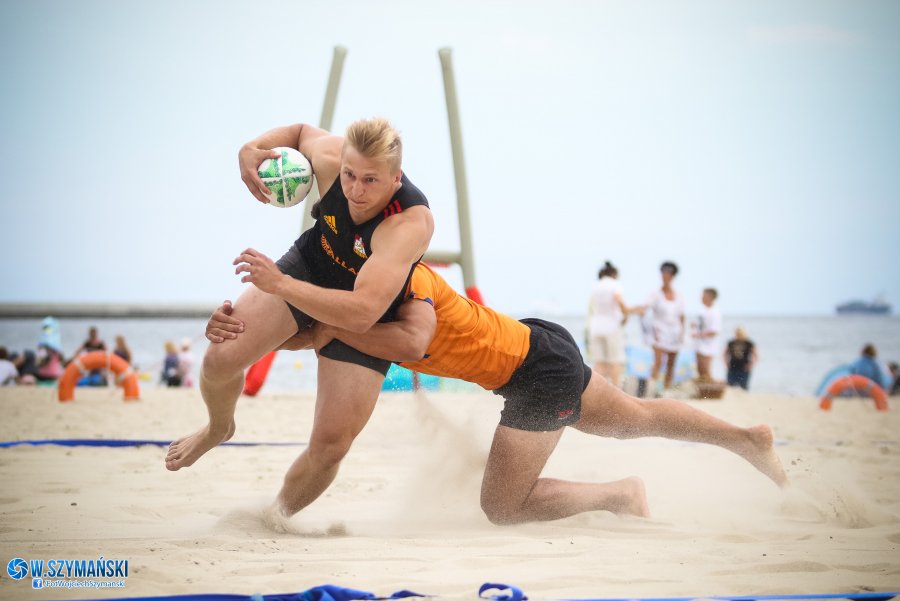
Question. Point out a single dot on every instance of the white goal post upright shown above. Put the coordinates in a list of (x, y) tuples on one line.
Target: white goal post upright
[(334, 82), (465, 257)]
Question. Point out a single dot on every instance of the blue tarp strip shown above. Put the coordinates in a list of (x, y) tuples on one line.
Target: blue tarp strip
[(854, 596), (330, 592), (326, 592), (515, 593), (112, 442)]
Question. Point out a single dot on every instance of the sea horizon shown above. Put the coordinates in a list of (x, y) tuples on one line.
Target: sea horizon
[(160, 310), (796, 351)]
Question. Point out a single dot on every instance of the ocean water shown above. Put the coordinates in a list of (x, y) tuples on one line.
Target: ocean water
[(795, 352)]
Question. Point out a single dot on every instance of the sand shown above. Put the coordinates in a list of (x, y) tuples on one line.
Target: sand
[(404, 512)]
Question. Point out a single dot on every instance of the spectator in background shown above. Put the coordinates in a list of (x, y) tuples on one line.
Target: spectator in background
[(706, 335), (96, 377), (895, 378), (607, 315), (170, 375), (49, 355), (49, 363), (9, 375), (26, 364), (121, 349), (93, 343), (740, 357), (186, 363), (867, 366), (666, 326)]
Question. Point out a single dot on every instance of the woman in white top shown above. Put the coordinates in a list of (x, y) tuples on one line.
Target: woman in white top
[(667, 323), (706, 337), (607, 314)]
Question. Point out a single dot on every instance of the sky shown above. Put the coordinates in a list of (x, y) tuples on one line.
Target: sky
[(756, 144)]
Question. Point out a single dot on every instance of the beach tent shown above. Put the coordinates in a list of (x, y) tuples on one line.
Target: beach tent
[(639, 363), (844, 371)]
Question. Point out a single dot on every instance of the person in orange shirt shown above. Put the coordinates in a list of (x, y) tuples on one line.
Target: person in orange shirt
[(537, 368)]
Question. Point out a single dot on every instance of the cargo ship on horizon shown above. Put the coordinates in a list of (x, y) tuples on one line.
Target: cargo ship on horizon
[(879, 306)]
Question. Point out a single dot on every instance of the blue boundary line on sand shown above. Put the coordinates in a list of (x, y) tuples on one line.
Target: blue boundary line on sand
[(115, 442), (330, 592)]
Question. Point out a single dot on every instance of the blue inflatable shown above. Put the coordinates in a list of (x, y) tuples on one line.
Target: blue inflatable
[(842, 371), (838, 372), (639, 364), (400, 379)]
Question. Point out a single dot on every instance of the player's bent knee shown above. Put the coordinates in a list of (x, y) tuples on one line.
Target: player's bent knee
[(500, 517), (220, 362), (328, 451), (500, 513)]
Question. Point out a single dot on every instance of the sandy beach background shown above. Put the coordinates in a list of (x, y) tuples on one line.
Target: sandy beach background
[(404, 512)]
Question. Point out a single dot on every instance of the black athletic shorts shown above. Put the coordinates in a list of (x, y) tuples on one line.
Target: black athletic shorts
[(544, 393), (293, 264)]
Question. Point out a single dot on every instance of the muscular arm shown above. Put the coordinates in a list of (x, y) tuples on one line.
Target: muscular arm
[(396, 244), (406, 339), (321, 148)]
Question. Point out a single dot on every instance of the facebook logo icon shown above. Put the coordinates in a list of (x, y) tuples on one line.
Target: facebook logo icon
[(37, 583)]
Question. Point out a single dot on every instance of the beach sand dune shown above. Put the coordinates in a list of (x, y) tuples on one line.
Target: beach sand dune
[(404, 510)]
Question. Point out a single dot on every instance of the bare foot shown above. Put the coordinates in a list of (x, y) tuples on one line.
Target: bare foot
[(185, 451), (277, 519), (761, 454), (634, 498)]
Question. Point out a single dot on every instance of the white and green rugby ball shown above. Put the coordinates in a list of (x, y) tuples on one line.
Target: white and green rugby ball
[(288, 178)]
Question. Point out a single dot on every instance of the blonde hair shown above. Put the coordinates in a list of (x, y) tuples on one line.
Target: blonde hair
[(170, 347), (377, 140)]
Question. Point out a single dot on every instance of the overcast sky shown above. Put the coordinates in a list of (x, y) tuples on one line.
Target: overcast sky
[(757, 144)]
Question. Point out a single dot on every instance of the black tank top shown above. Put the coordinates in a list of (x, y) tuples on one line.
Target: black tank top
[(335, 248)]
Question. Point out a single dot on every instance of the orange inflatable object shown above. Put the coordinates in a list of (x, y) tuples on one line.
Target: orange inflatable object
[(859, 384), (256, 375), (82, 364)]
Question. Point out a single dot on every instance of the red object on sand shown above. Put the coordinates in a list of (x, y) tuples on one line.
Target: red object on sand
[(475, 294), (256, 375)]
